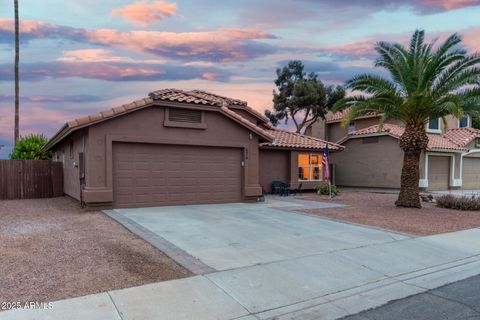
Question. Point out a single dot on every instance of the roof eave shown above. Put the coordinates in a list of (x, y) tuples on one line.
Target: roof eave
[(366, 135), (336, 149), (446, 150)]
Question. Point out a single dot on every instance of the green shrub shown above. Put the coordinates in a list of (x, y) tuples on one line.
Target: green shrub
[(459, 203), (324, 189), (30, 148)]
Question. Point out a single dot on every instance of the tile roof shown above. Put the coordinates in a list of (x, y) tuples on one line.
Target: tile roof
[(206, 98), (177, 95), (291, 140), (338, 116), (109, 113), (174, 95), (437, 141), (448, 141), (391, 129), (283, 139), (216, 97), (462, 136)]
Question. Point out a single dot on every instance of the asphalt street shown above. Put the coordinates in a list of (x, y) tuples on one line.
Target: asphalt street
[(456, 301)]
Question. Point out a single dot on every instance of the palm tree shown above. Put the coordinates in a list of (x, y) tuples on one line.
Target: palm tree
[(427, 82), (17, 61)]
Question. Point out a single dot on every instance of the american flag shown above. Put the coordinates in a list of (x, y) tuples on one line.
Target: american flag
[(326, 165)]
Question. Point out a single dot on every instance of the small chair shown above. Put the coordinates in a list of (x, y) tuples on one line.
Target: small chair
[(298, 189), (280, 188)]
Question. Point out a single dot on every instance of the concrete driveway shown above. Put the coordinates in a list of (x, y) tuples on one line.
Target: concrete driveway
[(229, 236), (268, 261)]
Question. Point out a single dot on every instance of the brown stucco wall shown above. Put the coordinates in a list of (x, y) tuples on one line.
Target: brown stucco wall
[(336, 132), (71, 180), (369, 164), (452, 122), (317, 130), (146, 126), (247, 115), (274, 166)]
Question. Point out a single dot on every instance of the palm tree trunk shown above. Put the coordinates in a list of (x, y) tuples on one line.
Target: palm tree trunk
[(17, 62), (413, 141)]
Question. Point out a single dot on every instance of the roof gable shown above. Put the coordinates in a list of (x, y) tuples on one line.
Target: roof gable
[(167, 95)]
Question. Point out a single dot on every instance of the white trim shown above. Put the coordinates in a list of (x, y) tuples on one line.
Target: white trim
[(469, 122), (457, 183), (423, 183)]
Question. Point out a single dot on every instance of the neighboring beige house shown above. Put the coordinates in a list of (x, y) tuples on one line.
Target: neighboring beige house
[(372, 157)]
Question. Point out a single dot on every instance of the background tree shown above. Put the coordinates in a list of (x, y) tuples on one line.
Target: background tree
[(17, 85), (301, 97), (426, 83), (476, 122), (30, 148)]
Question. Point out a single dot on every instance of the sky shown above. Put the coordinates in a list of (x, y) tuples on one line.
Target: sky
[(82, 57)]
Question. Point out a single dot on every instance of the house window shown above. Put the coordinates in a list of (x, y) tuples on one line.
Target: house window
[(351, 127), (434, 125), (464, 122), (309, 166)]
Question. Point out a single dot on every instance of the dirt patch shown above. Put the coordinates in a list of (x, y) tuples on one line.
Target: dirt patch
[(379, 210), (51, 249)]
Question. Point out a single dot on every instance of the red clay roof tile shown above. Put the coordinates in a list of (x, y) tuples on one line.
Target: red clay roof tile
[(291, 140), (283, 139), (436, 141)]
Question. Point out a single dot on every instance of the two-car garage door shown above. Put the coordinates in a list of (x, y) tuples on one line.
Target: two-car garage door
[(155, 175)]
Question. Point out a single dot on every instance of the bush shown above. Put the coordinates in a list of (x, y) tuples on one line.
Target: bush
[(324, 189), (459, 203), (30, 148)]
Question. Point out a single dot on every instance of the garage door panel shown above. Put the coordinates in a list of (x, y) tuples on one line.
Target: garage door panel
[(155, 175), (438, 172), (471, 173)]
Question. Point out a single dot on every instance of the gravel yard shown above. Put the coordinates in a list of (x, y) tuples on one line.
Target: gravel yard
[(51, 249), (379, 210)]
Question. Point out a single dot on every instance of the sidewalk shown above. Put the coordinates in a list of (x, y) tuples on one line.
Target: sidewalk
[(330, 286)]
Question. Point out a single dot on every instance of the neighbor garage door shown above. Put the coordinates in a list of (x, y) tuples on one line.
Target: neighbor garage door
[(155, 175), (471, 173), (438, 172)]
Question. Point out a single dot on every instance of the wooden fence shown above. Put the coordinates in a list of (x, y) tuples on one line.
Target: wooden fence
[(27, 179)]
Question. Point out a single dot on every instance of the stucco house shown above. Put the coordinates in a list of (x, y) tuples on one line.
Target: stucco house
[(181, 147), (373, 158)]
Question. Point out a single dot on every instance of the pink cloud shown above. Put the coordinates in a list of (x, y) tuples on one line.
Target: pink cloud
[(33, 119), (366, 48), (143, 13), (360, 49), (101, 55), (449, 4), (222, 45), (472, 39)]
